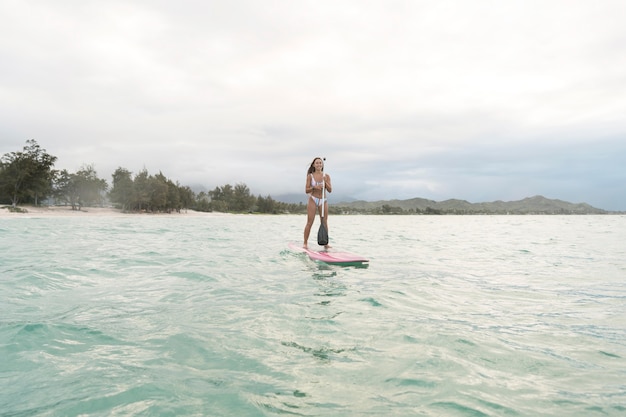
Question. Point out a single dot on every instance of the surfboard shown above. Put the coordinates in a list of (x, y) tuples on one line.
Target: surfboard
[(330, 256)]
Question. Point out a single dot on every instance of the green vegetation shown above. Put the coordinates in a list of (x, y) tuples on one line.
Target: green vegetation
[(238, 199), (28, 177), (531, 205), (148, 193), (83, 188)]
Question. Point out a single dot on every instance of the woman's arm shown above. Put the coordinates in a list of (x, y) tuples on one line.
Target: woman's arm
[(308, 189), (328, 184)]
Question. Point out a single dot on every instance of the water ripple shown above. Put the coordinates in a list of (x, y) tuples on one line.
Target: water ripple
[(455, 316)]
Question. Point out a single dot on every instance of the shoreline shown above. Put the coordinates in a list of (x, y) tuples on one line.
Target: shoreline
[(66, 211)]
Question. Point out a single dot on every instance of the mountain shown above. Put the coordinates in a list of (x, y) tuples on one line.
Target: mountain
[(531, 205)]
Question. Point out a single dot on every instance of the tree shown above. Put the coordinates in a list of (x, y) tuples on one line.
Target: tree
[(202, 202), (242, 199), (157, 192), (221, 198), (122, 191), (90, 187), (27, 175), (387, 209), (266, 205), (83, 188), (187, 197), (65, 188), (173, 196), (141, 191)]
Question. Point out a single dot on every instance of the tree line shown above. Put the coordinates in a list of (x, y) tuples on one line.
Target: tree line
[(28, 177)]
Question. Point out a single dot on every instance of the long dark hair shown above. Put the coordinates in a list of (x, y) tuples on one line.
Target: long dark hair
[(312, 168)]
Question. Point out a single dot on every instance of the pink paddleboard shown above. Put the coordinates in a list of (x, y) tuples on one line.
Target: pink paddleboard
[(330, 256)]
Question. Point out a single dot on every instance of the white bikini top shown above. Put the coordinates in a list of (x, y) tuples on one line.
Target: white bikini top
[(313, 182)]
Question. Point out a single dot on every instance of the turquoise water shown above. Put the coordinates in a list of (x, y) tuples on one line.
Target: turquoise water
[(214, 316)]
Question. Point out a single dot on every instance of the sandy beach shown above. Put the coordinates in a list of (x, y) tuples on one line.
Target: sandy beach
[(66, 211)]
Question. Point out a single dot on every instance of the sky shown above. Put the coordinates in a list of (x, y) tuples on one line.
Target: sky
[(475, 100)]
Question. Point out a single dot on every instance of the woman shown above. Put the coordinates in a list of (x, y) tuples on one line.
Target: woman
[(316, 182)]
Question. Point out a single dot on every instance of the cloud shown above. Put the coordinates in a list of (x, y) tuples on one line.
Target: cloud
[(401, 96)]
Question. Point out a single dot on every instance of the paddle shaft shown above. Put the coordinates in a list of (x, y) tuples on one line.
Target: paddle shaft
[(322, 233), (323, 186)]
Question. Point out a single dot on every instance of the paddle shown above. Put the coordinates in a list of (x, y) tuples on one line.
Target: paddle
[(322, 233)]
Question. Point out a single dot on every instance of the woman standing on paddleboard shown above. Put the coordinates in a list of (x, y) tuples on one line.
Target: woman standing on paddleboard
[(316, 186)]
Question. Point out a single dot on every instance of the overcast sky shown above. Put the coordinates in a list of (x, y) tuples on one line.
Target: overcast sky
[(477, 100)]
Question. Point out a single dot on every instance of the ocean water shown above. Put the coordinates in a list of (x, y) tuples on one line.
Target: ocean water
[(214, 316)]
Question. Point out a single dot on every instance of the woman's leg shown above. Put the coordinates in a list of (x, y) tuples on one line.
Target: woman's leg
[(310, 217)]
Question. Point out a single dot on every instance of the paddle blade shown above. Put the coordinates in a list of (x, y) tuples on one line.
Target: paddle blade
[(322, 235)]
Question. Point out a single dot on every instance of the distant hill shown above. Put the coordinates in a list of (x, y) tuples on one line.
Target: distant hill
[(530, 205), (293, 198)]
